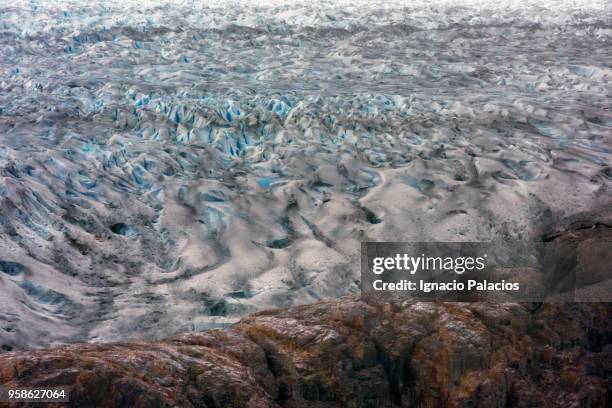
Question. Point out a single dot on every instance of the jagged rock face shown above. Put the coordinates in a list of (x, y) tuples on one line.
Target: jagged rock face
[(348, 352)]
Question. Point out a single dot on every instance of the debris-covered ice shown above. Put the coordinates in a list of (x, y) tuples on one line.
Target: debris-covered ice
[(171, 165)]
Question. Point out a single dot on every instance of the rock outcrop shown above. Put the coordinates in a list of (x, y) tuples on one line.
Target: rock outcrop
[(348, 352)]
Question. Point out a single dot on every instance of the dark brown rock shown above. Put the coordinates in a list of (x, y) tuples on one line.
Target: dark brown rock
[(348, 352)]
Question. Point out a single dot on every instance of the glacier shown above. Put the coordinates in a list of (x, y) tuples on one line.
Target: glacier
[(173, 165)]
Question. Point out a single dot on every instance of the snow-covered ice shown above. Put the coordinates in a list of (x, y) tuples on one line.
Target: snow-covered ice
[(172, 165)]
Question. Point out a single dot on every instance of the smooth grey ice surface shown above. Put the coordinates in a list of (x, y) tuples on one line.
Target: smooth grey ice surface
[(172, 165)]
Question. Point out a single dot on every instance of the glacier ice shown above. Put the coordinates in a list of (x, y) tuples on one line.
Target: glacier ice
[(171, 165)]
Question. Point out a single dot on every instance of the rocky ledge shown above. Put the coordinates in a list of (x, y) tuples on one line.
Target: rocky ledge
[(348, 352)]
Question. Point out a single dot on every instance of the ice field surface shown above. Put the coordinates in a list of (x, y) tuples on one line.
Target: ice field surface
[(173, 165)]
